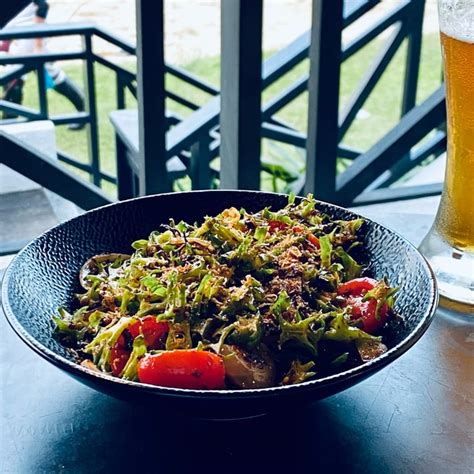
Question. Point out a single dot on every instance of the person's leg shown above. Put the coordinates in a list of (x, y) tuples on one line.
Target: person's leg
[(66, 87)]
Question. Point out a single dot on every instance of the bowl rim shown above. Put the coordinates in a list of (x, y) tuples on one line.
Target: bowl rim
[(357, 372)]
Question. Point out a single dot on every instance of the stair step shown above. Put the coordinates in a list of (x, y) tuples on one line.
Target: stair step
[(23, 215)]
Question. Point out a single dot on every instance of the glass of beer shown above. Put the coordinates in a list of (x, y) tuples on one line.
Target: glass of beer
[(449, 246)]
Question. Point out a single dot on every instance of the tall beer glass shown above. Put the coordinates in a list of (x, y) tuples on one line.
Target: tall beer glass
[(449, 246)]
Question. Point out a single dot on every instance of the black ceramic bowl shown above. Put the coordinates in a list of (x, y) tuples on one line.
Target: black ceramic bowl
[(43, 276)]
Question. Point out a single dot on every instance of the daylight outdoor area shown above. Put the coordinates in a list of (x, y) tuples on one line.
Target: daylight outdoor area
[(192, 42)]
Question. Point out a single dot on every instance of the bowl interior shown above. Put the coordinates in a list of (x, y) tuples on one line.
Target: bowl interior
[(44, 275)]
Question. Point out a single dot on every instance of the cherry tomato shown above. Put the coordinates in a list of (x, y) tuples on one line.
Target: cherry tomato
[(153, 331), (364, 311), (311, 237), (274, 226), (183, 368), (121, 342), (357, 286), (118, 358), (314, 240)]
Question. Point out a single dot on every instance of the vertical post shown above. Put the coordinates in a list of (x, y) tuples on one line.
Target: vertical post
[(120, 92), (415, 27), (93, 142), (125, 176), (42, 91), (323, 86), (151, 98), (241, 86), (200, 158)]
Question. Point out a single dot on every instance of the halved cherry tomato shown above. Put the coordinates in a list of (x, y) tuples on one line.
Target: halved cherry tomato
[(183, 368), (273, 226), (314, 240), (364, 311), (153, 331), (357, 286), (118, 358), (121, 342)]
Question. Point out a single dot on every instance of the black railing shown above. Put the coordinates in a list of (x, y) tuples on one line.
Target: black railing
[(196, 139), (125, 80)]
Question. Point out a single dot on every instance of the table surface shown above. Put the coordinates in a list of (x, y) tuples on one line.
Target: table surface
[(416, 415)]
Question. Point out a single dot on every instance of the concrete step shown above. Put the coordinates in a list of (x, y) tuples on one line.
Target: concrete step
[(23, 215), (27, 209)]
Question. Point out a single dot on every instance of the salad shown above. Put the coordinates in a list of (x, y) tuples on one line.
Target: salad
[(240, 300)]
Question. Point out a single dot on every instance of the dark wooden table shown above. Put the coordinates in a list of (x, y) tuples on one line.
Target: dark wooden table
[(417, 415)]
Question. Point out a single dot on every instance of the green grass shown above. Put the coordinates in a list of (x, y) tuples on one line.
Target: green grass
[(380, 112)]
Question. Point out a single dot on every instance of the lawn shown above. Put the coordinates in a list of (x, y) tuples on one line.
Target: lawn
[(380, 112)]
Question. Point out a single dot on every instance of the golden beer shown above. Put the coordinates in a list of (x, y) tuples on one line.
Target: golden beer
[(455, 221), (449, 245)]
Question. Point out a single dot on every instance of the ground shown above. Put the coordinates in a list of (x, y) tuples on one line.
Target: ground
[(193, 26)]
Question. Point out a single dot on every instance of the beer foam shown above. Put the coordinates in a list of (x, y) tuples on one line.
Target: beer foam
[(456, 19), (465, 36)]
